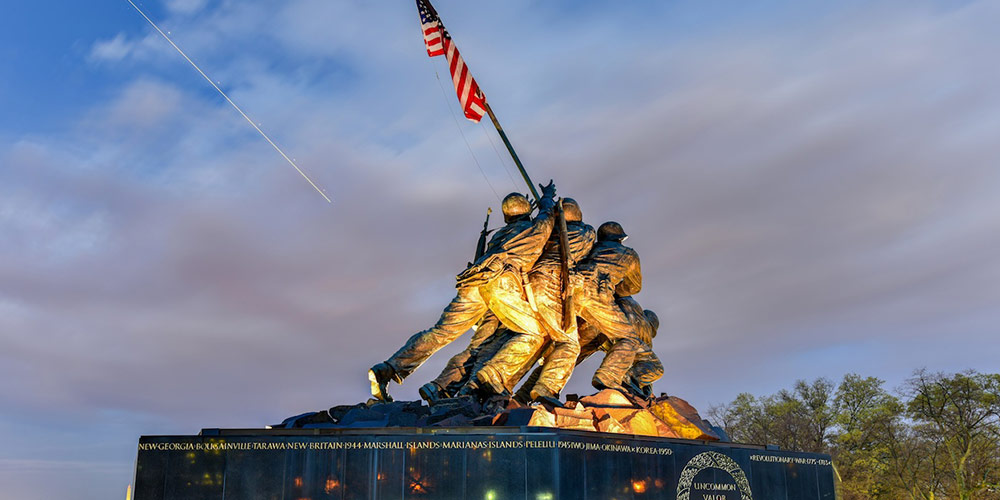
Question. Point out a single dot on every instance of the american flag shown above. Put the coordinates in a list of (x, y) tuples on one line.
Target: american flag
[(439, 42)]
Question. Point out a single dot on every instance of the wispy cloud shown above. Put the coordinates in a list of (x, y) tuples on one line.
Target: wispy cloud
[(809, 196), (186, 6), (114, 49)]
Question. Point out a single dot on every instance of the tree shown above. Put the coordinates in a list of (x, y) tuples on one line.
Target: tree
[(797, 420), (746, 419), (811, 408), (937, 438), (960, 414), (865, 414)]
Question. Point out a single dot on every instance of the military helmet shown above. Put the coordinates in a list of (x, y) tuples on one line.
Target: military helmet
[(515, 205), (571, 210), (653, 319), (611, 231)]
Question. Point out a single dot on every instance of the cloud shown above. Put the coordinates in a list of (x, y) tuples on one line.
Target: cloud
[(122, 50), (186, 7), (775, 190), (805, 201), (114, 49), (144, 104)]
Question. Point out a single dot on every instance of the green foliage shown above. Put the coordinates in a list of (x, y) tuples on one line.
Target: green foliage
[(864, 414), (938, 437), (797, 419), (960, 416)]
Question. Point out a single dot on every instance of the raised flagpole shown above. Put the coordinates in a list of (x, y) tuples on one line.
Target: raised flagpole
[(513, 154), (473, 101)]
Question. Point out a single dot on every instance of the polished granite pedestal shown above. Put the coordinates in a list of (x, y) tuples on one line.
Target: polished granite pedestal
[(488, 463)]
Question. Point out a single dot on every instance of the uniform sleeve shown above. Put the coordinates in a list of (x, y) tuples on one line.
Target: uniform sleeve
[(632, 282), (523, 249), (581, 242)]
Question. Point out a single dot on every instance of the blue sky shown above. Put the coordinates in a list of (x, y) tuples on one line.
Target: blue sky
[(811, 186), (44, 53)]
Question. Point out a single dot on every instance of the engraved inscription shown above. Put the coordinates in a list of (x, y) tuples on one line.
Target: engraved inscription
[(402, 445)]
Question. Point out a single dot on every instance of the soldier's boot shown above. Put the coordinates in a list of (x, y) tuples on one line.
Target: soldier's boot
[(478, 393), (637, 389), (542, 394), (616, 365), (601, 382), (467, 390), (379, 376), (640, 396), (430, 392), (490, 381), (522, 396)]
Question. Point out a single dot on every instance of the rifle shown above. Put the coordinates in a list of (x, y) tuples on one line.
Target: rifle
[(481, 244), (567, 292)]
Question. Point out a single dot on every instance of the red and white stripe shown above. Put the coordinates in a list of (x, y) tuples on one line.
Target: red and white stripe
[(472, 99), (433, 39), (438, 42)]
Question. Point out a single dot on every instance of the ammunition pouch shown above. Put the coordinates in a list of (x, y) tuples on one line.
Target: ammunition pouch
[(481, 273)]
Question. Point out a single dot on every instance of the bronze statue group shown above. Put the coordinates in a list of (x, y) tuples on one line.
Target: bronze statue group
[(529, 301)]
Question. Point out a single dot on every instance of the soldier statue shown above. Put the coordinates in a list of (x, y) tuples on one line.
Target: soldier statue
[(524, 296), (632, 364), (457, 371), (495, 282), (503, 371), (611, 270)]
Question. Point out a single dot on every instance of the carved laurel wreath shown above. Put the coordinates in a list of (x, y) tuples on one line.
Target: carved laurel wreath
[(709, 460)]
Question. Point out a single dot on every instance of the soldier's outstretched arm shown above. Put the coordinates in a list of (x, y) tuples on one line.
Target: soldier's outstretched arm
[(548, 200)]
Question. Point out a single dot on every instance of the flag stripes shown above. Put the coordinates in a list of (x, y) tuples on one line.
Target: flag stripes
[(438, 42), (433, 41)]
